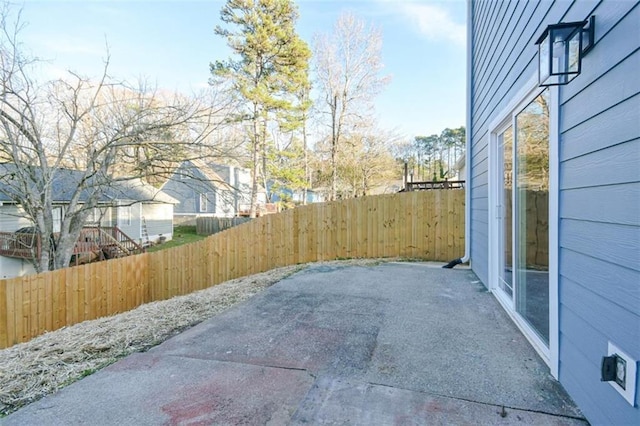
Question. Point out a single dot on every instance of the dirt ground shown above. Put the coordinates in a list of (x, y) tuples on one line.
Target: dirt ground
[(31, 370)]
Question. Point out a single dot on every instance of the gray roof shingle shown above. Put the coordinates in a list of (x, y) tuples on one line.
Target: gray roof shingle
[(65, 182)]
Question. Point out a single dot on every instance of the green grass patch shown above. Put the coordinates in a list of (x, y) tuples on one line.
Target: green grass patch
[(181, 235)]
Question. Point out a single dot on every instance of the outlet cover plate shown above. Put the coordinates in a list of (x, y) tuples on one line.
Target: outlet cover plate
[(632, 366)]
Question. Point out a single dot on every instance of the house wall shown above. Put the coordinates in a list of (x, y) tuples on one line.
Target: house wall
[(133, 228), (10, 267), (239, 179), (599, 179), (159, 220), (187, 190), (461, 173), (221, 202), (225, 203), (102, 216), (243, 182), (12, 219)]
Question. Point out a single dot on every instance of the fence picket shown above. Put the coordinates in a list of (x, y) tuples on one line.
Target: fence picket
[(4, 307)]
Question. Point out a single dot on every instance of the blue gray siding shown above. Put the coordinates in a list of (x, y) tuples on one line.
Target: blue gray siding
[(599, 199), (599, 279), (186, 185)]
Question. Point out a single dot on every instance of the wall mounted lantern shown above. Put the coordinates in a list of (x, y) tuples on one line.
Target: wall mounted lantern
[(561, 48)]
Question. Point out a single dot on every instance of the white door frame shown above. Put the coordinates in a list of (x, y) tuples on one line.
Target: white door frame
[(501, 121)]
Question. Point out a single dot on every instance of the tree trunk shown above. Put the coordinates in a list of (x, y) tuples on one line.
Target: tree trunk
[(43, 245), (255, 164), (67, 242), (45, 226), (307, 179), (334, 174), (263, 139), (334, 150), (64, 250)]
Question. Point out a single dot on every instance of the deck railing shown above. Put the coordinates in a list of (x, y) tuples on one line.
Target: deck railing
[(110, 239), (20, 245), (441, 184), (94, 243)]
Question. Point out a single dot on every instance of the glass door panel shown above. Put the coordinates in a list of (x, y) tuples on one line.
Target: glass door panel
[(532, 215), (505, 147)]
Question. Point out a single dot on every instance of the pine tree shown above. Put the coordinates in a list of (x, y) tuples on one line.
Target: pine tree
[(270, 66)]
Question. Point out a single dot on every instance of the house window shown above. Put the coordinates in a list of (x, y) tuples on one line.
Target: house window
[(95, 216), (124, 216), (57, 218), (203, 202)]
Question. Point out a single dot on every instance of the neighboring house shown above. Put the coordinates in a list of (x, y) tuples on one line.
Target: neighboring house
[(139, 210), (11, 219), (139, 206), (460, 168), (240, 180), (206, 189), (554, 194), (283, 193)]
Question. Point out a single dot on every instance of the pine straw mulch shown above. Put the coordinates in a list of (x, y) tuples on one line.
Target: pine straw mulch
[(31, 370)]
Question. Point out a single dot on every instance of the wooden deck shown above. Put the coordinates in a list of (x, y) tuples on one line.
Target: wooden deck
[(94, 244), (428, 185)]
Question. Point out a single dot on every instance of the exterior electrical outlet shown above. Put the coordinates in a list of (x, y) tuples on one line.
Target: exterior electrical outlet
[(621, 371), (624, 380)]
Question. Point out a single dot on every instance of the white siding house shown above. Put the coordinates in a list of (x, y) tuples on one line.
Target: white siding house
[(156, 217), (143, 212), (11, 219), (140, 211)]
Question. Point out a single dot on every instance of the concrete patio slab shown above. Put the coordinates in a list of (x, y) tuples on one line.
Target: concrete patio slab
[(397, 343)]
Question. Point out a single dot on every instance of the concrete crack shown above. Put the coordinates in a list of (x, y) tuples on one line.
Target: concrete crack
[(280, 367), (501, 407)]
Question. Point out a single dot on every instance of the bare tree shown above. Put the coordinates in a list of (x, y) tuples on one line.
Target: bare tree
[(105, 131), (348, 68), (366, 161)]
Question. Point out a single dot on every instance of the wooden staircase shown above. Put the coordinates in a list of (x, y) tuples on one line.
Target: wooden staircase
[(94, 244), (111, 241)]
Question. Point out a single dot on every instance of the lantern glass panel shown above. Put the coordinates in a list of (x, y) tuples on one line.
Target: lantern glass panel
[(557, 53), (574, 48), (544, 67)]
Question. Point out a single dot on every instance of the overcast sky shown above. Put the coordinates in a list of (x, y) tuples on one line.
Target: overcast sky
[(172, 42)]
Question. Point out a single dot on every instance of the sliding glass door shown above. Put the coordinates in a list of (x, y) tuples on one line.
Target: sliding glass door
[(523, 214)]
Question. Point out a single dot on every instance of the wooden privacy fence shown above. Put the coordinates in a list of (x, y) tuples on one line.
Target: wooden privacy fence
[(425, 225), (532, 227), (213, 225)]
